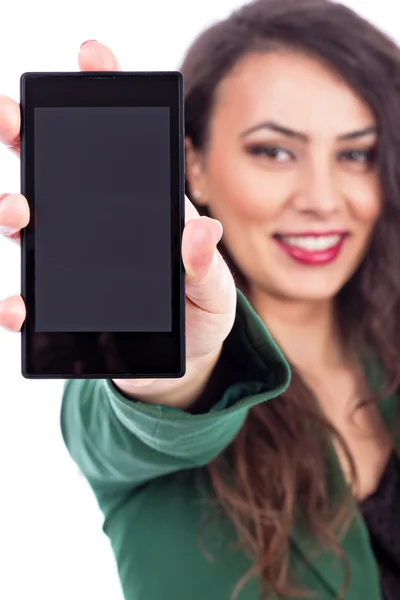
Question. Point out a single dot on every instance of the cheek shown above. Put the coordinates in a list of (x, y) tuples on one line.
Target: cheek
[(239, 189), (366, 203)]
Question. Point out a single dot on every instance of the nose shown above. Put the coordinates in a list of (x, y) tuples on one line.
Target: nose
[(318, 192)]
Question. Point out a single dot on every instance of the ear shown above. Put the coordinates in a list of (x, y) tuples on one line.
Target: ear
[(195, 174)]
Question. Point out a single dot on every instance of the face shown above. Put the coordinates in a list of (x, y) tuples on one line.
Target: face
[(290, 172)]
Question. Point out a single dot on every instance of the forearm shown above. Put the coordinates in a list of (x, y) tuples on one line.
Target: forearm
[(122, 440)]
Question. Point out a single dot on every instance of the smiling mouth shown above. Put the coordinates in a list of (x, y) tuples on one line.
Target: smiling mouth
[(312, 243), (312, 248)]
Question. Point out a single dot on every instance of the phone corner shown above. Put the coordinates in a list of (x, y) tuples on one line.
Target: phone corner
[(182, 369), (24, 357), (181, 81), (23, 84), (24, 77), (25, 373)]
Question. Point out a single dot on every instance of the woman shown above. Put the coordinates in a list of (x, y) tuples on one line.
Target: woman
[(231, 482)]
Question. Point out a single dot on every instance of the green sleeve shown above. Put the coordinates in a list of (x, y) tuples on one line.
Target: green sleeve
[(119, 444)]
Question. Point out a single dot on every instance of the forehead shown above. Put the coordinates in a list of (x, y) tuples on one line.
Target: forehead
[(293, 89)]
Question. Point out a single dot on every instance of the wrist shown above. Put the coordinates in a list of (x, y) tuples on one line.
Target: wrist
[(179, 393)]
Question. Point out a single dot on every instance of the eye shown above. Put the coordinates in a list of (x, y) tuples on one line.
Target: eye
[(272, 153), (363, 159)]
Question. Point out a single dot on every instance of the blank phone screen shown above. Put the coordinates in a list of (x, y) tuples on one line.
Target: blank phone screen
[(103, 219)]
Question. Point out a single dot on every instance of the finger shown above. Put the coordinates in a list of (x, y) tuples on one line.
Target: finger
[(129, 385), (10, 123), (14, 215), (94, 56), (209, 283), (12, 313)]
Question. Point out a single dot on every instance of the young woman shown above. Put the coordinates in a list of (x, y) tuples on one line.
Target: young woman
[(235, 481)]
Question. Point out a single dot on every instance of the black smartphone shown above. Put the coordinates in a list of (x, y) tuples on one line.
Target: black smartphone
[(102, 168)]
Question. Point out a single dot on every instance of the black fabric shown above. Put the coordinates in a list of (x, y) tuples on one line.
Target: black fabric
[(381, 512)]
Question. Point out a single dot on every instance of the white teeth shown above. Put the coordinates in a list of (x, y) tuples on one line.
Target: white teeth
[(322, 242)]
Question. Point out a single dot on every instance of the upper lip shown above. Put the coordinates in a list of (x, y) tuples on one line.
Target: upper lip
[(312, 233)]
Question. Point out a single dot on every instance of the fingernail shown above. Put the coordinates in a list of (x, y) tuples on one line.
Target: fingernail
[(220, 232), (4, 195), (87, 42), (7, 231), (2, 198), (189, 273)]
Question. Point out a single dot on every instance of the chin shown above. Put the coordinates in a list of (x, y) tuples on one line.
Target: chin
[(312, 296), (310, 291)]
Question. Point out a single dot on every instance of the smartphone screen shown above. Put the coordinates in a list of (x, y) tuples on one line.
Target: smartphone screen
[(102, 275), (103, 243)]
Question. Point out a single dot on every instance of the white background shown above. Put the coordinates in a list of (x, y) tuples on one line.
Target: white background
[(51, 543)]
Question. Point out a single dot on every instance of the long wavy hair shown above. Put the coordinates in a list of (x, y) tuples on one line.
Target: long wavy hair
[(275, 472)]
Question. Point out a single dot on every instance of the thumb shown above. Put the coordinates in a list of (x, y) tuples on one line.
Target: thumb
[(94, 56), (209, 283)]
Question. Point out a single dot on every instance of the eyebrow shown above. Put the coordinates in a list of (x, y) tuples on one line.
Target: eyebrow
[(272, 126)]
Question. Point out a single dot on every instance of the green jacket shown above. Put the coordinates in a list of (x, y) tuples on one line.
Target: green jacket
[(145, 465)]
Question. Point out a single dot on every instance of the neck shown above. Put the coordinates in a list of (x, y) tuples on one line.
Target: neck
[(306, 331)]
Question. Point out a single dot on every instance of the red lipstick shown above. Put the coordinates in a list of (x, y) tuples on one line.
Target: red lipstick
[(313, 249)]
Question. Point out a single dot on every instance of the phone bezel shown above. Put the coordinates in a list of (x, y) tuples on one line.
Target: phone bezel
[(144, 354)]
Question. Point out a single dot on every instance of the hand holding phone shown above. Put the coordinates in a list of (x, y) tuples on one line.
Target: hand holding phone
[(210, 290)]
